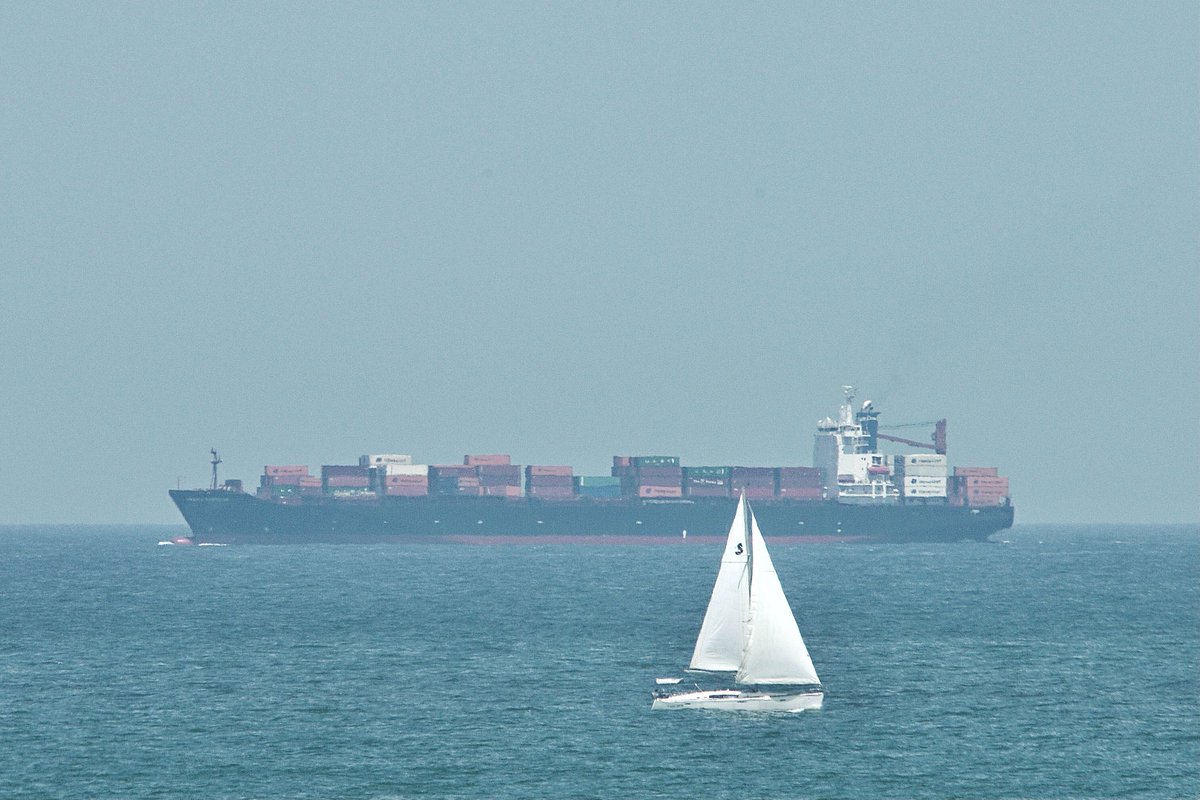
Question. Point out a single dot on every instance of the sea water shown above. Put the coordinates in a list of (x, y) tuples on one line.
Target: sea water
[(1054, 662)]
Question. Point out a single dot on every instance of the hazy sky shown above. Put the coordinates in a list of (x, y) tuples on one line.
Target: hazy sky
[(300, 233)]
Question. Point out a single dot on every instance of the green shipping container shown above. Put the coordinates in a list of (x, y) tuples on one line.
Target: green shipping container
[(707, 472), (596, 480), (655, 461)]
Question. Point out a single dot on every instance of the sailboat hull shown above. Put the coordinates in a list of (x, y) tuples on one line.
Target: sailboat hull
[(736, 700)]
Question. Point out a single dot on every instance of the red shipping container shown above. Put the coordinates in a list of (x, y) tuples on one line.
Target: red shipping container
[(310, 482), (977, 472), (799, 473), (551, 481), (344, 470), (758, 492), (451, 470), (660, 491), (283, 480), (494, 460), (285, 469), (757, 483), (406, 491), (707, 491), (1000, 484), (757, 472), (347, 482), (551, 491), (496, 473), (800, 492), (549, 470)]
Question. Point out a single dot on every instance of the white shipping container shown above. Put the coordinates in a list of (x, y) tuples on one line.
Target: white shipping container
[(922, 460), (924, 470), (924, 487), (378, 460), (405, 469)]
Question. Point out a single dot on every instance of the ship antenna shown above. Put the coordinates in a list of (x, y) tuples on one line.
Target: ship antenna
[(216, 459)]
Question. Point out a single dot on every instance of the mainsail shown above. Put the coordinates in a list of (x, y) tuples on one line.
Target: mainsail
[(722, 639)]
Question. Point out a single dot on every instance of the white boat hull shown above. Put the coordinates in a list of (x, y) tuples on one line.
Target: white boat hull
[(735, 700)]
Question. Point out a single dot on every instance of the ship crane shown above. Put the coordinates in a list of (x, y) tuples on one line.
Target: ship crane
[(936, 443)]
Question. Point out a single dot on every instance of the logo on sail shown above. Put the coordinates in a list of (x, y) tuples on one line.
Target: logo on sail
[(738, 552)]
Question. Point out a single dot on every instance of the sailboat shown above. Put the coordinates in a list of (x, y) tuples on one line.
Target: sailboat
[(749, 630)]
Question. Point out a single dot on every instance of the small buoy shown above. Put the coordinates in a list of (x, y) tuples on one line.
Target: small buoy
[(685, 533)]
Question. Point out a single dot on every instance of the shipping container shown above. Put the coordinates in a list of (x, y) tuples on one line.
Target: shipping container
[(378, 460), (707, 490), (502, 491), (500, 474), (596, 480), (598, 491), (621, 461), (407, 491), (655, 461), (714, 482), (282, 480), (453, 469), (549, 470), (347, 481), (977, 472), (285, 469), (405, 480), (493, 460), (799, 473), (920, 459), (753, 472), (660, 474), (801, 492), (551, 480), (660, 491), (982, 482), (707, 472), (551, 492), (406, 469), (344, 470)]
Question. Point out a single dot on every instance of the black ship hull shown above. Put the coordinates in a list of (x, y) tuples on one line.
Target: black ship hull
[(233, 517)]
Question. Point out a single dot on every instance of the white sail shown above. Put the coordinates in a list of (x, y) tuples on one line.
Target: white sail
[(721, 641), (775, 651)]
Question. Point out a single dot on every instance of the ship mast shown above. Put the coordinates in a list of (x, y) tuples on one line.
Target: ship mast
[(216, 459)]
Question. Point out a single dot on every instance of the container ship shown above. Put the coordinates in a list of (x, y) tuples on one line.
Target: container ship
[(852, 492)]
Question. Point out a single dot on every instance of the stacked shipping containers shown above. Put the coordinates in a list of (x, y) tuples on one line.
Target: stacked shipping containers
[(756, 482), (498, 477), (346, 480), (453, 479), (404, 480), (706, 481), (550, 482), (799, 483), (649, 476), (921, 476), (978, 486)]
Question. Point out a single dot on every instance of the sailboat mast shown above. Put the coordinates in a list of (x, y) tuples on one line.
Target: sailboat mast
[(749, 542)]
